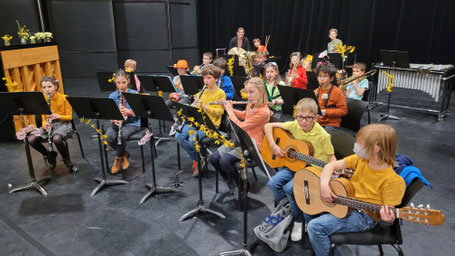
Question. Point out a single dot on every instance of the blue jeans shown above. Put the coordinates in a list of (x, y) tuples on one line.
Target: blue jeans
[(320, 228), (187, 142), (282, 185)]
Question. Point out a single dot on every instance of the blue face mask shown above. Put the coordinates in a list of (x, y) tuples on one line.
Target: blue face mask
[(360, 152)]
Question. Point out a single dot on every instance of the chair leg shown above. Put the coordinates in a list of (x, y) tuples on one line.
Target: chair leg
[(332, 249), (381, 251), (216, 181), (142, 157), (80, 144), (254, 173), (398, 248), (107, 160), (178, 156), (368, 111)]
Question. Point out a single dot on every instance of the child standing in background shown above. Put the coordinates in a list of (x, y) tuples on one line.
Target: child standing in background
[(130, 67)]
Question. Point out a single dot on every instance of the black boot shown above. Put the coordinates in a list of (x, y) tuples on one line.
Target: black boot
[(70, 166), (51, 158)]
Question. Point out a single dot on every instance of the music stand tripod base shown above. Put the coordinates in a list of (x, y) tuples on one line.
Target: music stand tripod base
[(32, 185), (156, 190), (387, 116), (200, 208), (103, 182)]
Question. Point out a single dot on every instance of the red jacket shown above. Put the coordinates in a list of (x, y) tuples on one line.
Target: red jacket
[(302, 81)]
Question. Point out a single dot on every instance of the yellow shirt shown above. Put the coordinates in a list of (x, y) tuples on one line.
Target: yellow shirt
[(215, 112), (318, 137), (60, 106), (375, 186)]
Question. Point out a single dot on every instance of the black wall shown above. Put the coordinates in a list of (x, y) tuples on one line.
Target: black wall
[(422, 27)]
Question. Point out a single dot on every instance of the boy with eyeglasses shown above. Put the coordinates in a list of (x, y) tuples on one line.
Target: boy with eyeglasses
[(304, 127), (331, 99)]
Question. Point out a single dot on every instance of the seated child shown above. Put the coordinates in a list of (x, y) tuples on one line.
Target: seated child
[(135, 84), (182, 70), (296, 76), (304, 127), (330, 98), (59, 122), (357, 88), (224, 82), (374, 181), (260, 61), (212, 93), (129, 126), (207, 58), (272, 79), (261, 48), (252, 120)]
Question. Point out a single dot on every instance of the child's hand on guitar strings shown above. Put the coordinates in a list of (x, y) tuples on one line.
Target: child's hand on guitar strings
[(277, 151), (327, 194)]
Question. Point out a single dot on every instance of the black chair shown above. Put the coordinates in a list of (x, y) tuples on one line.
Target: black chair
[(343, 143), (351, 120), (380, 234)]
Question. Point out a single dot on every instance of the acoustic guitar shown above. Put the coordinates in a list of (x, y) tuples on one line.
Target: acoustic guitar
[(297, 153), (307, 195)]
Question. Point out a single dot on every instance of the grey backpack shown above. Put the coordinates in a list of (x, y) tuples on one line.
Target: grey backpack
[(274, 230)]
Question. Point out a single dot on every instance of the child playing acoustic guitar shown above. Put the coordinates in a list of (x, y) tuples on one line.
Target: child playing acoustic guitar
[(304, 127), (374, 181)]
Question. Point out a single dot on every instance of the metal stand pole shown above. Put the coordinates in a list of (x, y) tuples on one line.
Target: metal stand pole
[(387, 115)]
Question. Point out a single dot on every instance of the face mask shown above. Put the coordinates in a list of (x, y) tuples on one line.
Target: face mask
[(360, 152)]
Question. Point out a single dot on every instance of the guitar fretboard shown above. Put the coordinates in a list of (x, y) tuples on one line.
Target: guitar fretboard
[(308, 159), (359, 205)]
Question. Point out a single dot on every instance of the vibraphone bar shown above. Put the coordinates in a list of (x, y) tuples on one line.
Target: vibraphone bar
[(429, 78)]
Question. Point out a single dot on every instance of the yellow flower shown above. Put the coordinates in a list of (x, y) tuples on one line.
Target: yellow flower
[(160, 93), (128, 70), (194, 138), (179, 112), (197, 147), (88, 122), (82, 120), (112, 80), (93, 126), (217, 142), (310, 58), (191, 132), (105, 142), (7, 37)]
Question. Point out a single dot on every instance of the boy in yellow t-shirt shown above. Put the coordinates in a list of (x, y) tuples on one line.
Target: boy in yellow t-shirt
[(374, 181), (211, 74), (306, 128)]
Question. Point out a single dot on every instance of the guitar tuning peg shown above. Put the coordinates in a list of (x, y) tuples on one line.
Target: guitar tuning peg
[(420, 206), (412, 205), (428, 207)]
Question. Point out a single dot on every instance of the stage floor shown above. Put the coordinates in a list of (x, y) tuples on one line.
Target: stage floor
[(71, 222)]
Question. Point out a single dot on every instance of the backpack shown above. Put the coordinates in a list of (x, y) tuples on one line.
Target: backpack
[(274, 230)]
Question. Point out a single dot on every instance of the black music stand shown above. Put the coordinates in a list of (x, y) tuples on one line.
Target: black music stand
[(292, 95), (192, 84), (103, 81), (147, 82), (190, 111), (152, 107), (312, 80), (239, 83), (25, 103), (250, 150), (172, 70), (336, 60), (164, 84), (98, 108)]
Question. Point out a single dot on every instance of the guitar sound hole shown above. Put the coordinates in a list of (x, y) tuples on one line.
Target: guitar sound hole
[(291, 153)]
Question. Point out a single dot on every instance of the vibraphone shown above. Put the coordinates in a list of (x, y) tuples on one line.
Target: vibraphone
[(431, 79)]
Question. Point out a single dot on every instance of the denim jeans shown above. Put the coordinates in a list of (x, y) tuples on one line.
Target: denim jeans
[(187, 142), (282, 185), (320, 228)]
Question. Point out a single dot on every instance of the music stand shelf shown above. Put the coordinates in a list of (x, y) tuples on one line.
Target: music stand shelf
[(291, 97), (25, 103), (98, 108)]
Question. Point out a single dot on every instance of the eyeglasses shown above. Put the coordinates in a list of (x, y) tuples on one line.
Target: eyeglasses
[(306, 118), (322, 76)]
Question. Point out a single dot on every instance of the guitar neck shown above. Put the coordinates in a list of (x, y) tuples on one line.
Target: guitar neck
[(360, 205), (309, 159)]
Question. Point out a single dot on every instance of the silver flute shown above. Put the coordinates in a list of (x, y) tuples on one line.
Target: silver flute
[(49, 131), (119, 135)]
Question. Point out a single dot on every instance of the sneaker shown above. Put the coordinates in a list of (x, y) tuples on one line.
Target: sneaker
[(51, 159), (70, 166), (195, 170), (116, 167), (125, 162), (296, 234), (173, 130)]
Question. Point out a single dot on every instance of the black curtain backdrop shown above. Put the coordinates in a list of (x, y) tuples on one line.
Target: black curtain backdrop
[(424, 28)]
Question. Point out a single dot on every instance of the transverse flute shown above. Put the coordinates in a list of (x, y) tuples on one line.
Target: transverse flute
[(219, 102)]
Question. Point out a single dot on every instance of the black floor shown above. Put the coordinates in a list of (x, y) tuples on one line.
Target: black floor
[(71, 222)]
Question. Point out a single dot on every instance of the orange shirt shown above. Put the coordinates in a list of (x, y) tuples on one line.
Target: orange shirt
[(253, 122), (60, 106), (335, 108), (261, 48)]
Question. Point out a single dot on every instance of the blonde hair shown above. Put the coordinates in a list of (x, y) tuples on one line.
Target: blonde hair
[(273, 65), (333, 30), (307, 104), (120, 73), (383, 136), (259, 84), (359, 65), (130, 62)]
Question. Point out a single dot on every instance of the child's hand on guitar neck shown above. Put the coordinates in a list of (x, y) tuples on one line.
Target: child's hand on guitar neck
[(277, 151), (387, 214), (327, 194)]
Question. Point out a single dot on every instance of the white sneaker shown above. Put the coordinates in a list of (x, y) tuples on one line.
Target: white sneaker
[(173, 131), (296, 234)]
